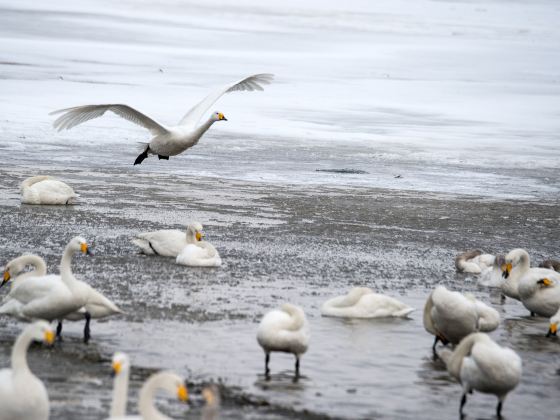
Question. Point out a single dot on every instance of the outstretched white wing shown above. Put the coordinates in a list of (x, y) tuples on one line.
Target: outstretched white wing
[(79, 114), (250, 83)]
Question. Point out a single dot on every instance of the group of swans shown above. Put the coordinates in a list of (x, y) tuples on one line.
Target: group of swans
[(35, 295)]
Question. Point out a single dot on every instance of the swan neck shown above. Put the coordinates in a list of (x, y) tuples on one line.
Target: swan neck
[(146, 402), (19, 353), (203, 128), (39, 265), (66, 267), (120, 394), (191, 239)]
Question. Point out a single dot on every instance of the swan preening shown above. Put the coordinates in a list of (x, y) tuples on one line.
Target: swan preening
[(188, 248), (492, 276), (284, 330), (23, 395), (480, 364), (166, 141), (35, 295), (473, 261), (46, 190), (451, 316), (362, 302), (537, 288)]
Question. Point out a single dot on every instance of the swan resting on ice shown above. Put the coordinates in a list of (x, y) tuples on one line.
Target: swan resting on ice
[(473, 261), (22, 394), (284, 330), (451, 316), (480, 364), (362, 302), (168, 242), (46, 190), (167, 140)]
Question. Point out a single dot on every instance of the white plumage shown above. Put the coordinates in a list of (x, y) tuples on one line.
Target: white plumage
[(474, 262), (201, 254), (284, 330), (22, 395), (121, 372), (480, 364), (362, 302), (166, 141), (46, 190), (539, 290)]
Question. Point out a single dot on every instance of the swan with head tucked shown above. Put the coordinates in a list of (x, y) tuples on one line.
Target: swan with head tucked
[(164, 381), (362, 302), (451, 316), (168, 242), (23, 395), (121, 372), (53, 297), (46, 190), (473, 261), (199, 254), (166, 141), (492, 276), (284, 330), (480, 364)]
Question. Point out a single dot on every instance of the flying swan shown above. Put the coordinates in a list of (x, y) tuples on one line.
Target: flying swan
[(362, 302), (46, 190), (22, 394), (166, 141)]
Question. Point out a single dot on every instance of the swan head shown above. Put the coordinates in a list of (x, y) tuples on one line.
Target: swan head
[(41, 331), (211, 395), (173, 384), (79, 244), (12, 269), (120, 364), (513, 259), (553, 328), (195, 229), (218, 116)]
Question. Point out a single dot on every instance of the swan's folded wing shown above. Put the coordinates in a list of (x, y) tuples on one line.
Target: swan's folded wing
[(250, 83), (80, 114)]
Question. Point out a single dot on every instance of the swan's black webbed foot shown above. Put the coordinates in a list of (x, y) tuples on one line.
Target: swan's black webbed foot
[(142, 156), (59, 331), (87, 334), (163, 157)]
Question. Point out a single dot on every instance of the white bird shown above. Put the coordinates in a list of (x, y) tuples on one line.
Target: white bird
[(166, 141), (199, 254), (165, 381), (362, 302), (284, 330), (554, 321), (121, 372), (473, 262), (451, 316), (168, 242), (14, 270), (46, 190), (23, 395), (211, 395), (550, 264), (54, 297), (492, 276), (516, 265), (480, 364)]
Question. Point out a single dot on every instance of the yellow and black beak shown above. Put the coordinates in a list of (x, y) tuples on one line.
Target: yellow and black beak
[(552, 330), (116, 368), (199, 235), (85, 249), (506, 269), (221, 117), (49, 337), (545, 282), (6, 278), (182, 393)]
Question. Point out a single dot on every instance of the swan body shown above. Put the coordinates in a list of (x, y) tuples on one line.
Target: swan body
[(539, 290), (22, 395), (46, 190), (165, 381), (362, 302), (166, 141), (168, 242), (474, 262), (451, 316), (284, 330), (201, 254), (480, 364), (492, 276)]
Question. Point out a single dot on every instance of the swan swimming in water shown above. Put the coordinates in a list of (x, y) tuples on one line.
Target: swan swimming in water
[(165, 381), (362, 302), (480, 364), (451, 316), (284, 330), (22, 394), (46, 190), (474, 262), (166, 141)]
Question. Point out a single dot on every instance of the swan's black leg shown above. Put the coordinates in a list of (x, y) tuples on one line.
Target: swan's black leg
[(297, 369), (434, 348), (163, 157), (142, 156), (59, 331), (266, 369), (87, 334), (152, 247), (463, 402), (532, 313), (499, 410)]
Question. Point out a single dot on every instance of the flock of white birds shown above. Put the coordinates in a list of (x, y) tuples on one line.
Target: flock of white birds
[(476, 361)]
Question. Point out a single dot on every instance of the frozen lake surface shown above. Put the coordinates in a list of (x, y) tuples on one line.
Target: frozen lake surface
[(445, 113)]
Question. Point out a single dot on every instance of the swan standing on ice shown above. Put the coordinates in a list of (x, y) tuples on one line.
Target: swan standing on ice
[(166, 141), (121, 372), (22, 394), (284, 330), (451, 316), (165, 381), (480, 364), (46, 190), (473, 262), (362, 302)]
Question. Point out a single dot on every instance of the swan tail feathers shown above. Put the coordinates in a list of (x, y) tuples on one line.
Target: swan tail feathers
[(144, 246), (403, 313)]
